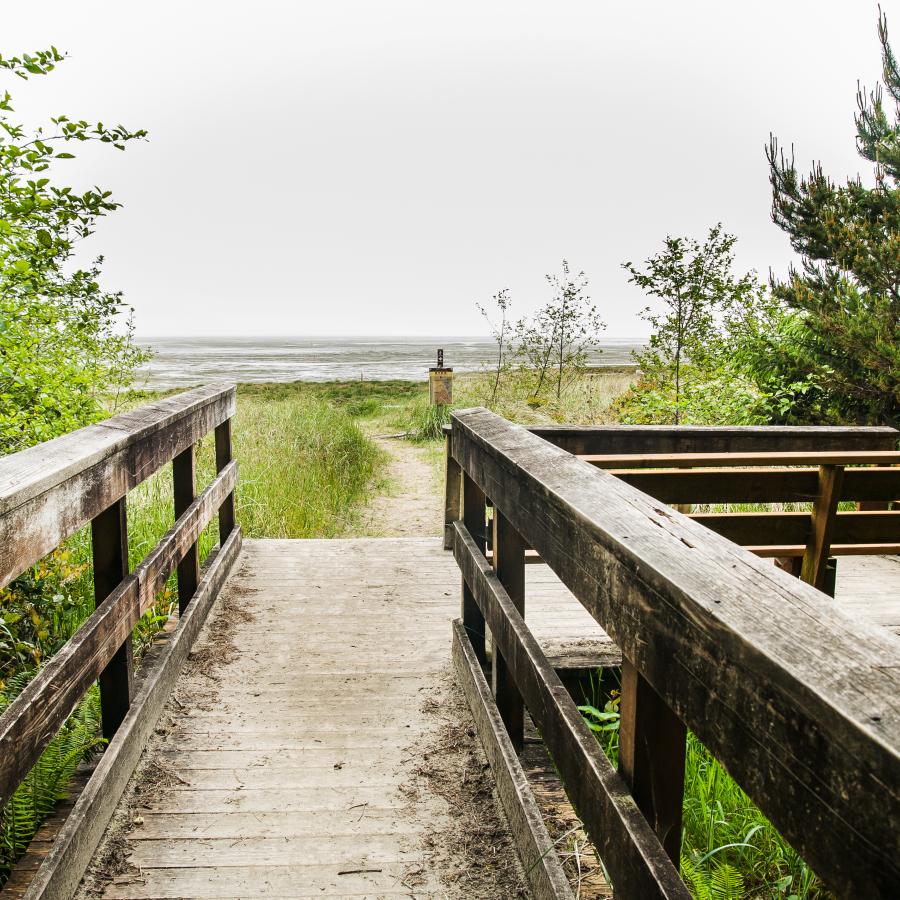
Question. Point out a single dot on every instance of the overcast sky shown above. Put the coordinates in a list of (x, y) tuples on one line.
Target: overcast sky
[(378, 167)]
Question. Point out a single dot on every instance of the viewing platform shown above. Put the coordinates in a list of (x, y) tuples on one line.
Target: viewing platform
[(328, 718)]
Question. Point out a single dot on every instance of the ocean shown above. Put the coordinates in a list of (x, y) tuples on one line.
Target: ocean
[(180, 362)]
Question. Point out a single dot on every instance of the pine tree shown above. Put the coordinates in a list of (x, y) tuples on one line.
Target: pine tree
[(847, 291)]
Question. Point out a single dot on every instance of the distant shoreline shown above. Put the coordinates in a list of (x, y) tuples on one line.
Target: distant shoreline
[(182, 362)]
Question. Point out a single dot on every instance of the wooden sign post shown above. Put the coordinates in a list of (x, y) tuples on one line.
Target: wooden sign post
[(440, 383)]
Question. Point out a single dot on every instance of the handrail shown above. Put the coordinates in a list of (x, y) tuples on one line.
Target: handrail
[(50, 491), (794, 697), (646, 439)]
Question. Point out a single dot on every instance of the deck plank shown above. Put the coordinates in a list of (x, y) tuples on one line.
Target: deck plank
[(295, 775)]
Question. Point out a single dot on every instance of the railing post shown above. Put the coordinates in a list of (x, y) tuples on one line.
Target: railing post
[(509, 564), (452, 483), (183, 473), (651, 757), (109, 545), (815, 560), (223, 457), (474, 520)]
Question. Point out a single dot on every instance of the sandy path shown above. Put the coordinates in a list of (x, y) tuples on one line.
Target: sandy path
[(411, 505)]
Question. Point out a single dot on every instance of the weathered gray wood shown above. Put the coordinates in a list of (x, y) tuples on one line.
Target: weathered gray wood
[(824, 526), (646, 439), (185, 491), (652, 741), (346, 770), (784, 485), (791, 528), (62, 870), (223, 458), (475, 518), (633, 856), (717, 460), (31, 720), (109, 546), (798, 700), (539, 859), (509, 564), (452, 493), (50, 491)]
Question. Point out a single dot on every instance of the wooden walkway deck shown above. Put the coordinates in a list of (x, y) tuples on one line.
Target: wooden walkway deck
[(292, 759)]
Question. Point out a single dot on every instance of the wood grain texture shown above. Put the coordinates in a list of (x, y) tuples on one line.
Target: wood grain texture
[(509, 564), (31, 720), (542, 867), (72, 850), (824, 528), (50, 491), (797, 699), (635, 859), (652, 745), (184, 492), (761, 485), (292, 760), (109, 547), (644, 439), (718, 460)]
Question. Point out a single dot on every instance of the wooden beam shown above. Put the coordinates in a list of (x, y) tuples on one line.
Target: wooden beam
[(60, 874), (109, 546), (637, 864), (538, 855), (652, 746), (223, 458), (50, 491), (474, 517), (31, 720), (509, 564), (724, 638), (644, 439), (791, 528), (719, 460), (824, 525), (452, 493), (761, 485), (184, 478)]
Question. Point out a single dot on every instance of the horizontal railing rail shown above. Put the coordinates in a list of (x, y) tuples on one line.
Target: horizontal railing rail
[(50, 491), (795, 698)]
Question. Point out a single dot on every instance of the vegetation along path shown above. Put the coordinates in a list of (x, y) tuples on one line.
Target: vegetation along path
[(411, 504)]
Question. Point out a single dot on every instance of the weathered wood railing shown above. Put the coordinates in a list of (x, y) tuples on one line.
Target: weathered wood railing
[(796, 699), (50, 491), (761, 466)]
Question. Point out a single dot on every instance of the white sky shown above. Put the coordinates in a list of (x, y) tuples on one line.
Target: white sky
[(375, 168)]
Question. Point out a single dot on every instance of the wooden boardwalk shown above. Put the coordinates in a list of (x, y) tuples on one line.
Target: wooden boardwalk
[(288, 762)]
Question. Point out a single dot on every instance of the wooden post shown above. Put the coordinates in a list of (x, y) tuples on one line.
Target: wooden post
[(474, 520), (223, 457), (183, 474), (509, 564), (651, 757), (453, 485), (824, 510), (109, 544)]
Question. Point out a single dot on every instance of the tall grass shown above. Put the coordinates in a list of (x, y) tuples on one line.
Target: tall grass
[(305, 467), (729, 849)]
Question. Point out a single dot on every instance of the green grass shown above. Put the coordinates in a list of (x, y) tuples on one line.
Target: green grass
[(729, 849)]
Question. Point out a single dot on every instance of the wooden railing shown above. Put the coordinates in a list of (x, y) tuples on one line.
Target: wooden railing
[(754, 472), (796, 699), (50, 491)]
